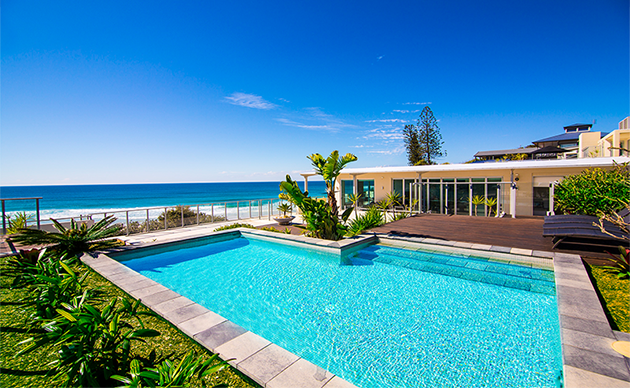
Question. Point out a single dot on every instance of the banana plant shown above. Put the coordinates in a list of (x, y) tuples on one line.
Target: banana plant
[(330, 168)]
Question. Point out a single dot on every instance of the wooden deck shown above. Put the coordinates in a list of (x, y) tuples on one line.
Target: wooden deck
[(523, 233)]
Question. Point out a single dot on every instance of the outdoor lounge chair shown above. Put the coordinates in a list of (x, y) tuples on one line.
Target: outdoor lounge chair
[(579, 230)]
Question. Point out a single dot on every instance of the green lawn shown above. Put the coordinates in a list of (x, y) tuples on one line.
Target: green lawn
[(615, 294), (30, 370)]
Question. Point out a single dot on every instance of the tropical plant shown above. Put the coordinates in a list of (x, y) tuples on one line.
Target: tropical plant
[(594, 191), (384, 204), (330, 168), (284, 208), (621, 263), (618, 221), (320, 220), (72, 241), (55, 284), (394, 199), (18, 221), (94, 345), (178, 214), (354, 199), (477, 200), (234, 226), (370, 219), (400, 216), (172, 374), (491, 203)]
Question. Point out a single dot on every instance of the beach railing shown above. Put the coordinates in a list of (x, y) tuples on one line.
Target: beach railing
[(6, 218), (143, 220)]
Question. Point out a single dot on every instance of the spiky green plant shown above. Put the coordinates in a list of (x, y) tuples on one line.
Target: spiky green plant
[(621, 263), (284, 208), (18, 221), (74, 240), (478, 200), (368, 220), (491, 203), (354, 199)]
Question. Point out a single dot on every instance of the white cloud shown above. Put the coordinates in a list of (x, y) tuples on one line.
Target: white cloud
[(388, 121), (393, 151), (315, 119), (406, 111), (250, 101), (416, 103), (384, 134)]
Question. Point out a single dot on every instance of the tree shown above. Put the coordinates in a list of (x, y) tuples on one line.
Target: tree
[(423, 141), (411, 143)]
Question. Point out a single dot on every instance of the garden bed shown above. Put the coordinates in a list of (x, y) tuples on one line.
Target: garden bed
[(30, 370)]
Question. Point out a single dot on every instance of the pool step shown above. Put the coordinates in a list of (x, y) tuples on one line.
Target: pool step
[(479, 270)]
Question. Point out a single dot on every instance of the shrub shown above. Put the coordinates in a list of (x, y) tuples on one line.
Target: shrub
[(234, 226), (272, 229), (370, 219), (594, 191)]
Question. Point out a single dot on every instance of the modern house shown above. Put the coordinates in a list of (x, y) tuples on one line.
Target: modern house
[(577, 141), (520, 187)]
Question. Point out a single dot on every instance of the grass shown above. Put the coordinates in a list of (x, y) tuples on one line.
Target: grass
[(614, 294), (30, 370)]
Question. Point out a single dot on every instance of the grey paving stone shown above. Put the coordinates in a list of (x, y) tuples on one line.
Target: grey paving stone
[(242, 347), (621, 336), (186, 313), (218, 335), (567, 257), (495, 248), (301, 374), (580, 378), (114, 269), (520, 251), (159, 297), (198, 324), (462, 244), (549, 255), (122, 276), (599, 363), (580, 277), (587, 326), (137, 284), (481, 247), (267, 364), (338, 382), (167, 307), (588, 341), (582, 284), (146, 291)]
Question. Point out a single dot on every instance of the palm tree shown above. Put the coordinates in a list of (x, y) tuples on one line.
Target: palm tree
[(478, 200), (75, 240), (329, 169)]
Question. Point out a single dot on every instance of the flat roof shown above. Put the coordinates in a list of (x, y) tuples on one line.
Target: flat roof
[(507, 152), (509, 165)]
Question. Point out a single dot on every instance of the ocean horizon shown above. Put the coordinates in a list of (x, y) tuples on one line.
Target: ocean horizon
[(62, 201)]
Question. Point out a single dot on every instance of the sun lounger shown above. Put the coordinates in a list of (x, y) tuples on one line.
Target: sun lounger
[(579, 230)]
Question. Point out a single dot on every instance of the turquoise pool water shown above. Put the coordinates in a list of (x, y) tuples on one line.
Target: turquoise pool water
[(382, 317)]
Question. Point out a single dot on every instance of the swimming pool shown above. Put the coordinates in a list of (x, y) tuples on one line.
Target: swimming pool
[(379, 316)]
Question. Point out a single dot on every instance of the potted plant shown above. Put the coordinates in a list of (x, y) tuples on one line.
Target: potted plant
[(284, 220)]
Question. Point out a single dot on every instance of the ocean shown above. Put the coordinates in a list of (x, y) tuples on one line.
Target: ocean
[(71, 201)]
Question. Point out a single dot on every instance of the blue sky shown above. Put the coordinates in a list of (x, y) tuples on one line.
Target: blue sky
[(135, 92)]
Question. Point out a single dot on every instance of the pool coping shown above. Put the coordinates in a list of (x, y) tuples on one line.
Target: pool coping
[(586, 336)]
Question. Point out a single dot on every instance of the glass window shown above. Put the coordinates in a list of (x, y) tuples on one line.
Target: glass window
[(398, 187), (347, 189), (366, 189), (463, 180)]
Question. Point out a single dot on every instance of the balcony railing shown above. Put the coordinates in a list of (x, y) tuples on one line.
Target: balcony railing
[(142, 220)]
